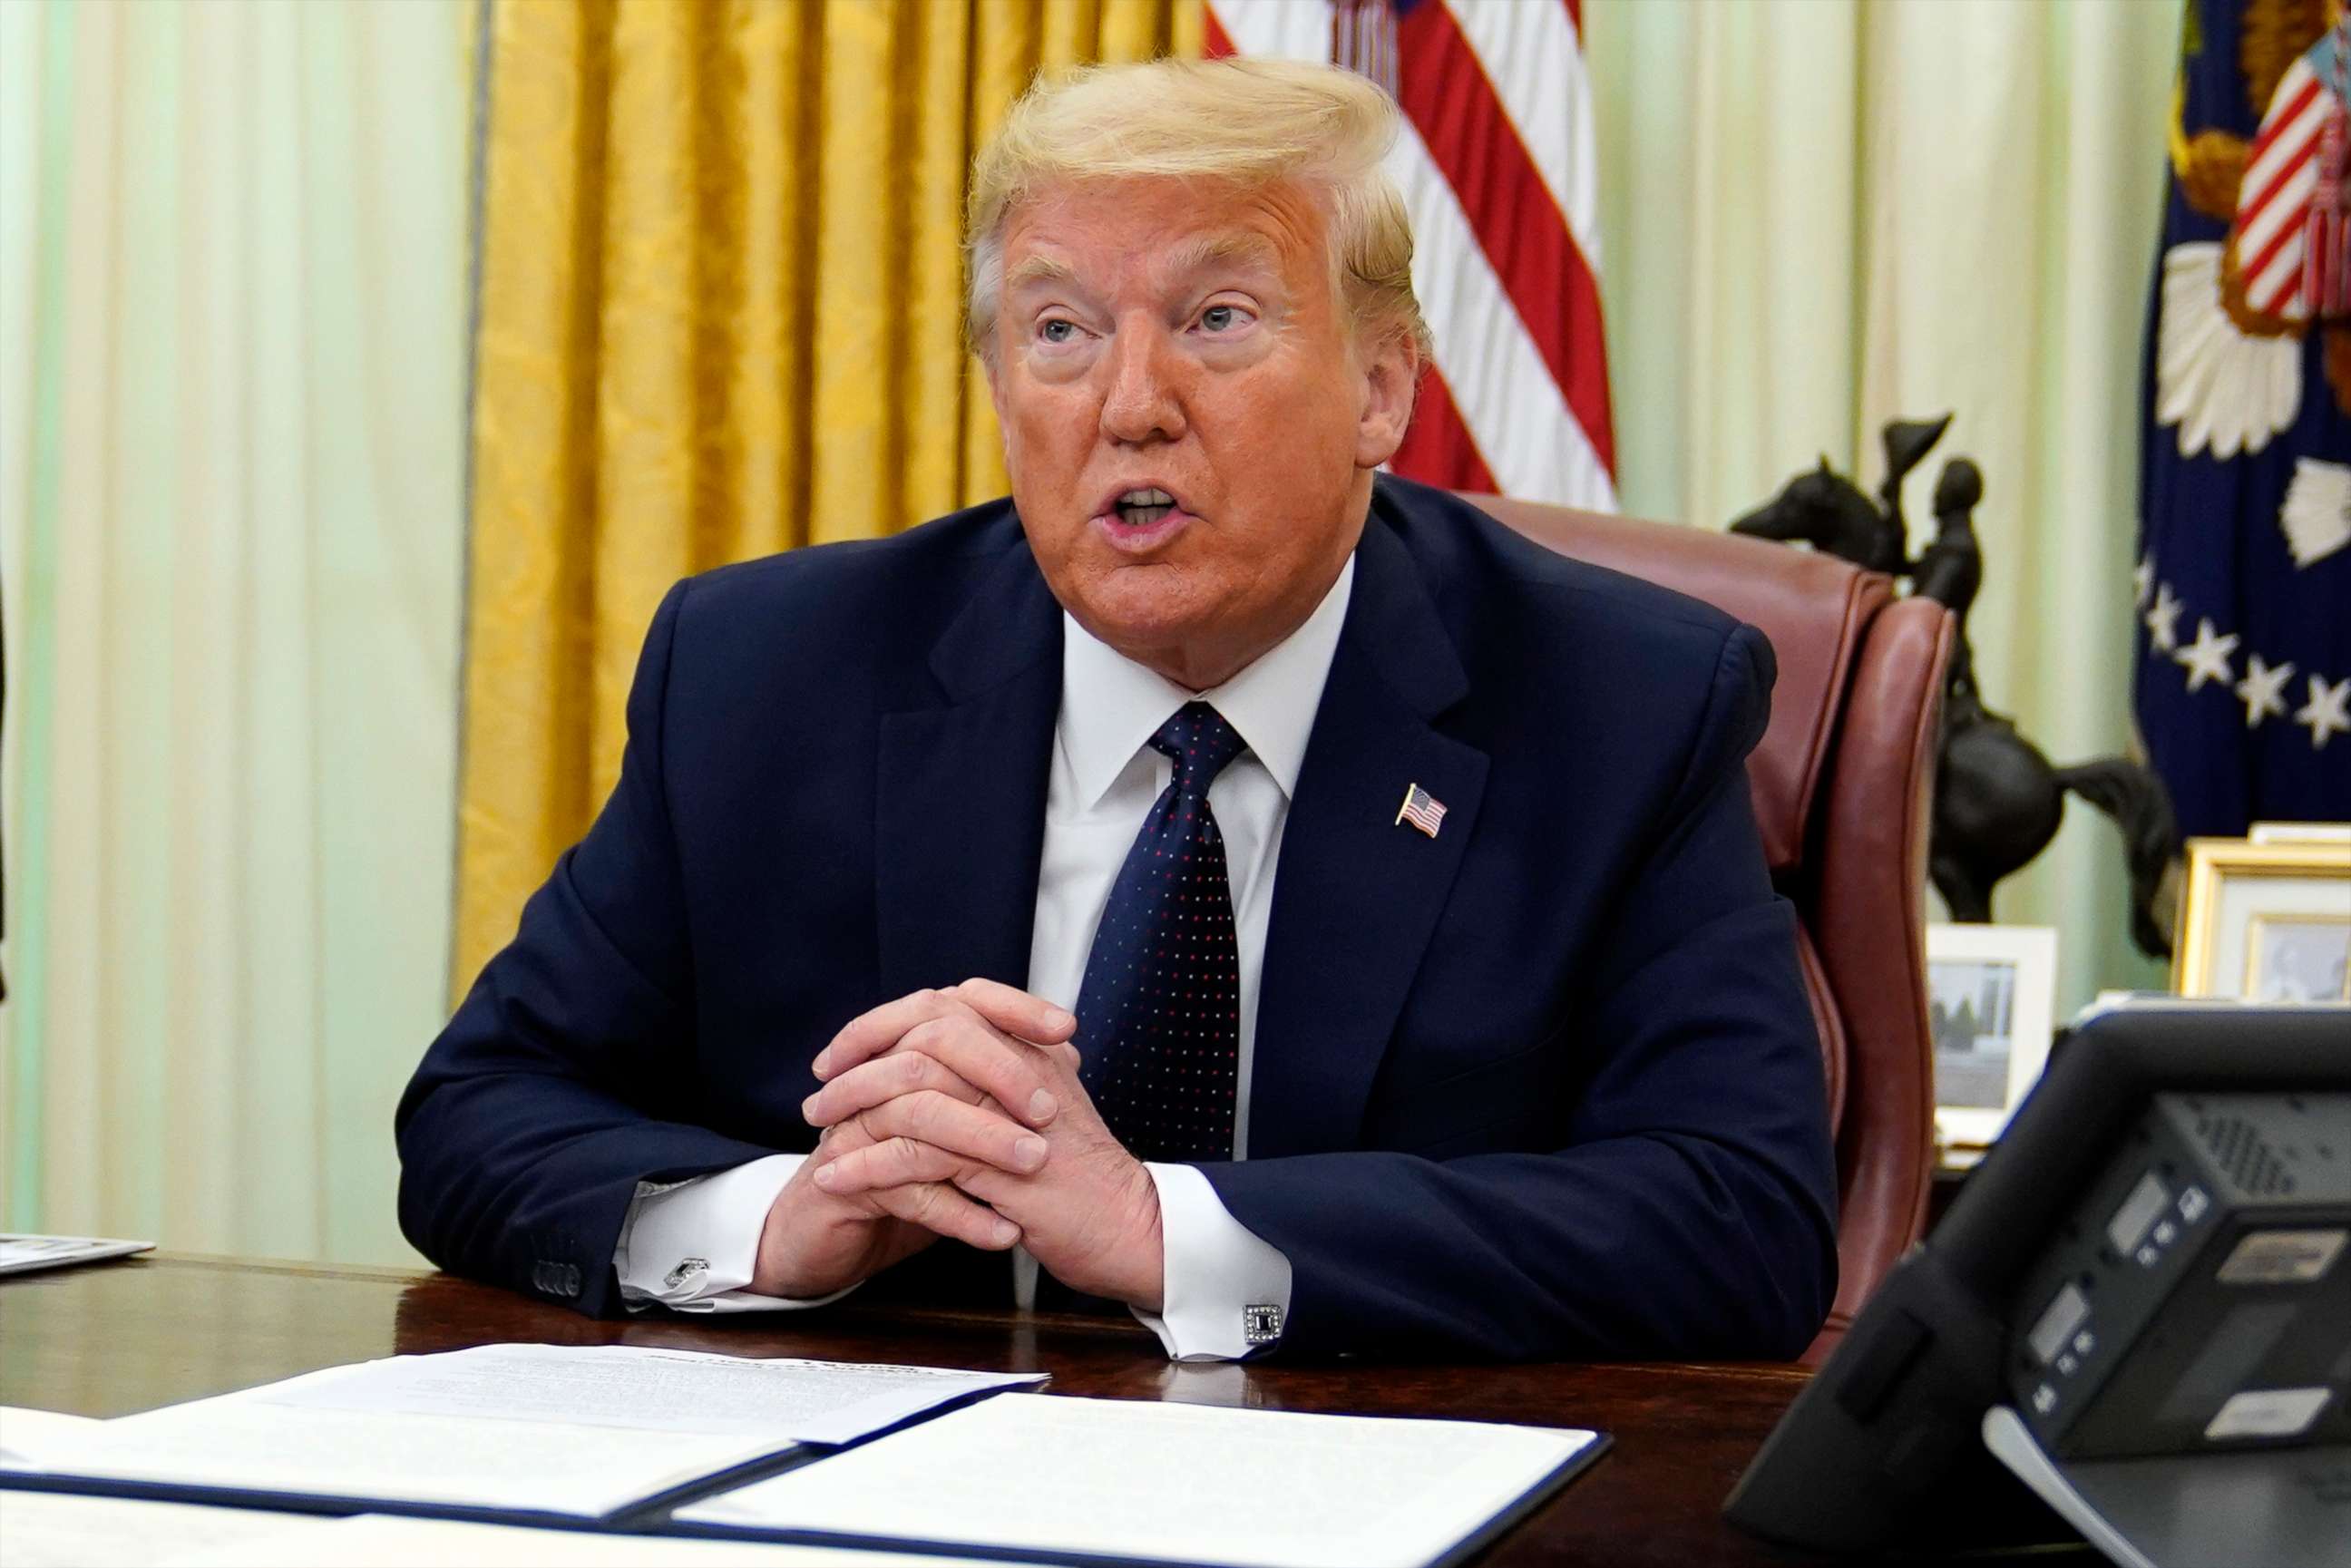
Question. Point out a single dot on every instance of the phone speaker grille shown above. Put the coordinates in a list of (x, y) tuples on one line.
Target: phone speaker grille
[(2244, 1156)]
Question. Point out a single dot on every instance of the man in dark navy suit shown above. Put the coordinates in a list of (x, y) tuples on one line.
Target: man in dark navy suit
[(1274, 899)]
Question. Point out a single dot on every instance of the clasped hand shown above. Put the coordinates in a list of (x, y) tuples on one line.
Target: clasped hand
[(959, 1114)]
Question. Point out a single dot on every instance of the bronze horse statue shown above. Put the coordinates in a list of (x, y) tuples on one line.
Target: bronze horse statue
[(1998, 800)]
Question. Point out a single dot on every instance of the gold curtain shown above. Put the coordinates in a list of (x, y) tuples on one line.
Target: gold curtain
[(719, 316)]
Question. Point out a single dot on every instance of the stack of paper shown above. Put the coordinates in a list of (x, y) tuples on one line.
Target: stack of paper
[(21, 1254), (1151, 1482), (509, 1429), (614, 1435), (26, 1434), (381, 1540), (51, 1529)]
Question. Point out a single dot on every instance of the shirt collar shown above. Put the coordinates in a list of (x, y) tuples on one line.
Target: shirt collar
[(1112, 705)]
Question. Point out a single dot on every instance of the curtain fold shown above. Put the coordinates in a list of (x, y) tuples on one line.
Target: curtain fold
[(720, 316)]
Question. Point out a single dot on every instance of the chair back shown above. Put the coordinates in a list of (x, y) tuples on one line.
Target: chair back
[(1843, 783)]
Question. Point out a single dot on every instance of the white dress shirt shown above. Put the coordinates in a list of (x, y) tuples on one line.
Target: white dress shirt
[(692, 1245)]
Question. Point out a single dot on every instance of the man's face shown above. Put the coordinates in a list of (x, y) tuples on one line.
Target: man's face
[(1156, 336)]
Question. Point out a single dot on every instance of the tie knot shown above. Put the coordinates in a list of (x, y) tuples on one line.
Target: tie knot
[(1199, 742)]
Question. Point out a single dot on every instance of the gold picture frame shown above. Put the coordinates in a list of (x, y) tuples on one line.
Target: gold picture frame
[(2227, 925)]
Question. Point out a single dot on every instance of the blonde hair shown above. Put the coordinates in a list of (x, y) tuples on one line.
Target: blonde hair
[(1245, 122)]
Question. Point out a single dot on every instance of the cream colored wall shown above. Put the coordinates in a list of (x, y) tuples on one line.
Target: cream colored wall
[(1821, 214)]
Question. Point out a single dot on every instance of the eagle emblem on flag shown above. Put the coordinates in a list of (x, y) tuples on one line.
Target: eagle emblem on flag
[(2243, 675)]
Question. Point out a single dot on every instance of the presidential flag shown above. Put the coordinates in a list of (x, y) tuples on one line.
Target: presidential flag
[(1497, 169), (2243, 676)]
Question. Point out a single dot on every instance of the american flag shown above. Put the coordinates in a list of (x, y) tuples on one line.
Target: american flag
[(1422, 810), (2291, 247), (1496, 168)]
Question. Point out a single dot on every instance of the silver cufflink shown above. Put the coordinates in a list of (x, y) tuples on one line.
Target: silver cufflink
[(1261, 1323), (685, 1270)]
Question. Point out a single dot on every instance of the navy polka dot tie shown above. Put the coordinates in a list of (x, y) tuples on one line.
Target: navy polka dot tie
[(1159, 1013)]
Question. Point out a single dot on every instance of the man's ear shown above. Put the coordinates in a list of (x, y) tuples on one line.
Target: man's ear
[(1390, 379)]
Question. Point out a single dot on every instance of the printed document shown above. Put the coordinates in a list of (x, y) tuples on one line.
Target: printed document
[(582, 1430), (644, 1390), (1253, 1488), (382, 1541)]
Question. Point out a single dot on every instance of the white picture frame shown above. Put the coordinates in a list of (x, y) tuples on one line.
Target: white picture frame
[(1995, 985)]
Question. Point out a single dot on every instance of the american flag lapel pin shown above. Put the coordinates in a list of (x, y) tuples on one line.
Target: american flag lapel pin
[(1422, 810)]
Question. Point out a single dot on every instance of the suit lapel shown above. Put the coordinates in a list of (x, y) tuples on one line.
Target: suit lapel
[(960, 820), (1356, 895)]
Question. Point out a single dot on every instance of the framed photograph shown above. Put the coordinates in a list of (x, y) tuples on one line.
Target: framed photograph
[(2299, 833), (1989, 991), (2266, 921)]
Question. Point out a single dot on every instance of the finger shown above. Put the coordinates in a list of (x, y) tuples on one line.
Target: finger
[(870, 1034), (869, 1084), (985, 1183), (1010, 1072), (945, 1122), (944, 1211), (833, 1142), (892, 1162), (1006, 1008), (1015, 1012)]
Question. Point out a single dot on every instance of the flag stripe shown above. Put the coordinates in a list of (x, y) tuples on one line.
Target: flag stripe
[(1519, 400), (2280, 146), (2297, 158), (1215, 42), (2302, 100), (2286, 248), (1438, 448), (1444, 93), (1507, 396), (2275, 243), (1529, 55), (1275, 28)]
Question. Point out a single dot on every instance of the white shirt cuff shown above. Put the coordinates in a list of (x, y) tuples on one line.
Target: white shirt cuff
[(1228, 1289), (692, 1246)]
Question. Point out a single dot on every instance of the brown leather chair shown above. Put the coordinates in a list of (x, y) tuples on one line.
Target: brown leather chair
[(1842, 781)]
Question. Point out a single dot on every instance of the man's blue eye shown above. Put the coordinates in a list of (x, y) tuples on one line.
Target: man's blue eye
[(1216, 318), (1057, 330)]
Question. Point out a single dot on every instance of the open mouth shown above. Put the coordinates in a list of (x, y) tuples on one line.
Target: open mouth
[(1141, 520), (1141, 509)]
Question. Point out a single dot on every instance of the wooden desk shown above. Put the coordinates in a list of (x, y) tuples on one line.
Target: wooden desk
[(108, 1339)]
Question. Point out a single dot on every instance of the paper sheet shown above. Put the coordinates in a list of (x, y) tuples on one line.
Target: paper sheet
[(644, 1390), (50, 1530), (584, 1431), (234, 1444), (25, 1435), (380, 1541), (21, 1254), (1154, 1481)]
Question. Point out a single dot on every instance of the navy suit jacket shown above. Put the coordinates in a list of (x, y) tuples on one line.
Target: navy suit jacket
[(1545, 1084)]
